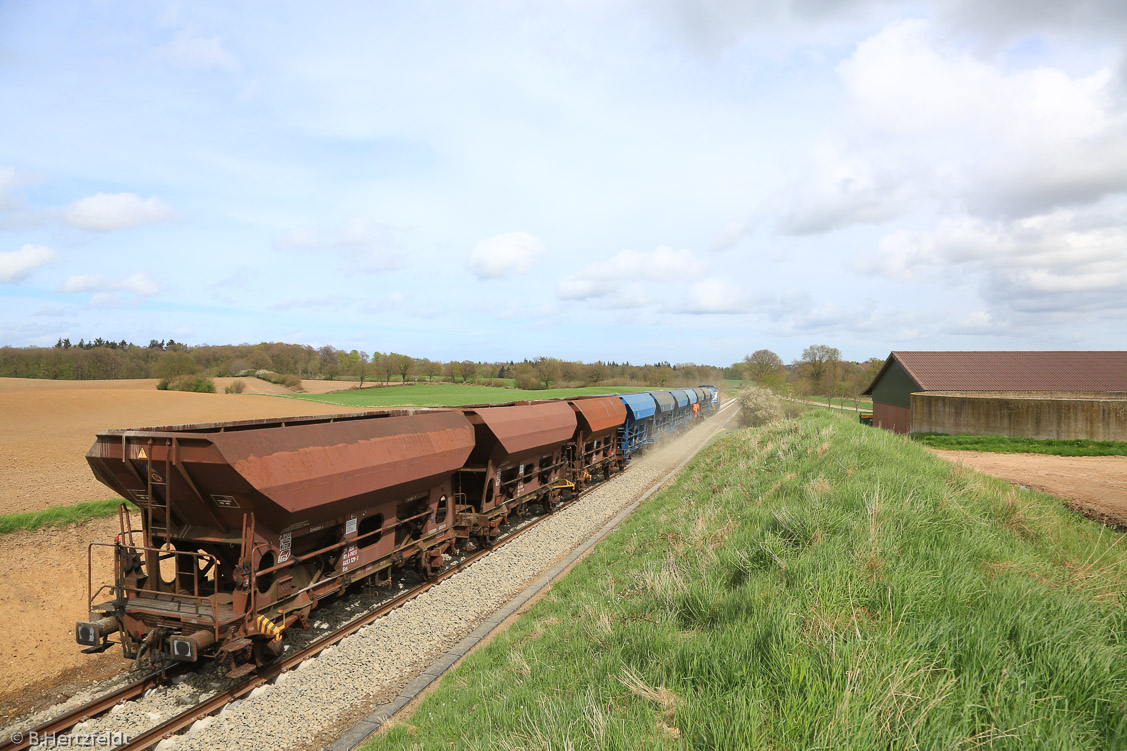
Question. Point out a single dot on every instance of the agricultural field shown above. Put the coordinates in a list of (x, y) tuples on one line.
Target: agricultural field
[(450, 394), (1012, 445), (812, 584), (848, 403), (51, 507)]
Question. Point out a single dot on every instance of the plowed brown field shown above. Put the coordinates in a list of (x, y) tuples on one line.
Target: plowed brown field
[(46, 428), (1096, 486), (45, 431)]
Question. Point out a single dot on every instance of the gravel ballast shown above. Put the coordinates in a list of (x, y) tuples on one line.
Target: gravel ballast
[(388, 658)]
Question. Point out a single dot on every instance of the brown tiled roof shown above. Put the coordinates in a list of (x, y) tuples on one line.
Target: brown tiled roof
[(1013, 371)]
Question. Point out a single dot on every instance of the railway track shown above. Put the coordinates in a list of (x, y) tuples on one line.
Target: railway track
[(63, 723)]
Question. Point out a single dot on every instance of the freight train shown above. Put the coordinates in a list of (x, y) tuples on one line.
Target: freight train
[(246, 526)]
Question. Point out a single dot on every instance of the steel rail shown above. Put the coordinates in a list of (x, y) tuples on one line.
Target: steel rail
[(267, 673), (262, 675), (66, 721)]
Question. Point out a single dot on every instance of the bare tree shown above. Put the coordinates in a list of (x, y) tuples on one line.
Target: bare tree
[(820, 360), (362, 366), (387, 366)]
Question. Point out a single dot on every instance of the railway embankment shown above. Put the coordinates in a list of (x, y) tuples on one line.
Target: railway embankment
[(813, 583), (309, 706)]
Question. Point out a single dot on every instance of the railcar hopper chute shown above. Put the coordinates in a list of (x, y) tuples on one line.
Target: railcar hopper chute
[(596, 453), (268, 516), (519, 458)]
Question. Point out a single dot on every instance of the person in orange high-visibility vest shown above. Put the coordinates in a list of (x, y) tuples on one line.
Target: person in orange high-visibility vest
[(696, 410)]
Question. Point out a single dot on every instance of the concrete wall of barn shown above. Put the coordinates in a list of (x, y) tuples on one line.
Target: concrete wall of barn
[(1095, 417)]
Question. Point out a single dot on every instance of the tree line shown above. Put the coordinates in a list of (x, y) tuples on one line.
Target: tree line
[(820, 371), (102, 359)]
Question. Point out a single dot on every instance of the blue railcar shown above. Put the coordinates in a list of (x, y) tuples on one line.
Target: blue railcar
[(701, 401), (711, 398), (638, 429), (663, 420), (683, 412)]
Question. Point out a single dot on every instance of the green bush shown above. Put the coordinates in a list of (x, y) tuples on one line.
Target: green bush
[(196, 383)]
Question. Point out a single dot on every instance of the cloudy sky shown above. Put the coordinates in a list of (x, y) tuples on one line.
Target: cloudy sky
[(643, 180)]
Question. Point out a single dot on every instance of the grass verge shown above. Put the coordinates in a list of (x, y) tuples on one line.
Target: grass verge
[(812, 584), (448, 395), (59, 516), (1007, 445), (866, 404)]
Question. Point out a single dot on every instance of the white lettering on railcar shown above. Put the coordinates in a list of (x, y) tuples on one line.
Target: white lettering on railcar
[(285, 543), (226, 501), (350, 526), (351, 556)]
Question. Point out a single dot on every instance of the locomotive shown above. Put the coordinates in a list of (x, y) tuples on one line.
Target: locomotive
[(247, 525)]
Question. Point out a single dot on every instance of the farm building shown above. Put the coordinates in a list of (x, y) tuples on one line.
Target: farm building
[(1032, 394)]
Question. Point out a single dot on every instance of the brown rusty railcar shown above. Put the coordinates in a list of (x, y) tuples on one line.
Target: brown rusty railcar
[(246, 525), (519, 458)]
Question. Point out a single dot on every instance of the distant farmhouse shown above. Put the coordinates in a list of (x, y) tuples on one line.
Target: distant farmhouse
[(1061, 395)]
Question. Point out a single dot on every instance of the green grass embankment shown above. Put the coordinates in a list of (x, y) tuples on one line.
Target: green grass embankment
[(59, 516), (812, 584), (449, 395), (847, 403), (1007, 445)]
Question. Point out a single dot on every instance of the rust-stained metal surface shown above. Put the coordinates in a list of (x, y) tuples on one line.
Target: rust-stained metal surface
[(521, 428), (279, 469), (599, 413)]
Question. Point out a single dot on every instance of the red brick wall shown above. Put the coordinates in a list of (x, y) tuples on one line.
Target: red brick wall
[(896, 419)]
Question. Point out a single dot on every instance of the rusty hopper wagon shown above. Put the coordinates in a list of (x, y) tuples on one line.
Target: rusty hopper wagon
[(246, 525)]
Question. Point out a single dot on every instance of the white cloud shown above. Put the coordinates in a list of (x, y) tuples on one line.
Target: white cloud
[(363, 245), (17, 265), (105, 212), (503, 255), (716, 296), (197, 53), (140, 284), (842, 189), (629, 267), (1010, 142), (1061, 261), (583, 289)]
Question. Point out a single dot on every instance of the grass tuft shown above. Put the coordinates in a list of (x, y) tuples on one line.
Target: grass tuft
[(1008, 445), (59, 516)]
